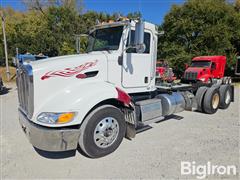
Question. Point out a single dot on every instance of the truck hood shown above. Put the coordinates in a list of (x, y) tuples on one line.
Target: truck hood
[(65, 63), (59, 75)]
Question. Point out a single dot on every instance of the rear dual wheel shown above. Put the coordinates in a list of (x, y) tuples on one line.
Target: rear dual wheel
[(225, 96), (227, 80), (211, 100), (200, 96)]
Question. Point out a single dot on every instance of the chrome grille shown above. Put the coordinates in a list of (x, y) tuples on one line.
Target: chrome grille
[(190, 75), (25, 89)]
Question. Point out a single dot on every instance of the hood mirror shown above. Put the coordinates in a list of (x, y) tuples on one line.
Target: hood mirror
[(78, 39)]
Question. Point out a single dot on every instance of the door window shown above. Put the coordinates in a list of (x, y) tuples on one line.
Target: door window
[(147, 39)]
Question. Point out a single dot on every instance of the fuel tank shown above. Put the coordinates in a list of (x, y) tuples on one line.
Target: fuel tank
[(172, 103)]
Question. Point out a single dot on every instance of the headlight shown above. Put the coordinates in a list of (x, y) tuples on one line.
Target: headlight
[(203, 79), (56, 118)]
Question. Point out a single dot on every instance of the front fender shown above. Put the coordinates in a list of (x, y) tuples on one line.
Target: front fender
[(80, 99)]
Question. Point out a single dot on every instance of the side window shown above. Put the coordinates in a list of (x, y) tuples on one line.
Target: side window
[(147, 39), (213, 66)]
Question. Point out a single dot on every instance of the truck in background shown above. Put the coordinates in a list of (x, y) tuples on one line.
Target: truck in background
[(29, 57), (207, 69), (164, 72), (93, 100)]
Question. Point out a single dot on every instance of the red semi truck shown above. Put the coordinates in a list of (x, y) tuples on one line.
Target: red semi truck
[(164, 72), (206, 69)]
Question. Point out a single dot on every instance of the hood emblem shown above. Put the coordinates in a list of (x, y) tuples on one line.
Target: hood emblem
[(68, 72)]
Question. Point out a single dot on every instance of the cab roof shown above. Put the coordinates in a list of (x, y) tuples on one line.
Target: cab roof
[(209, 58)]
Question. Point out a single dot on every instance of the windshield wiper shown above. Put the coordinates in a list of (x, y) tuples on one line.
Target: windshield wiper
[(88, 51), (104, 49)]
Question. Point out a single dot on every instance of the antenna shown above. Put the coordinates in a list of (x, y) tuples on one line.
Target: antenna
[(139, 5), (5, 45), (118, 17)]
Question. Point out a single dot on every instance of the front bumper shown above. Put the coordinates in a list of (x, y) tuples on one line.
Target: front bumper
[(49, 139)]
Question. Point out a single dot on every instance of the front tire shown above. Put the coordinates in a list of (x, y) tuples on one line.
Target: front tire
[(102, 131)]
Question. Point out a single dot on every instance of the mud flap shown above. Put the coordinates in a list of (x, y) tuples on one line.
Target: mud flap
[(130, 131), (232, 89)]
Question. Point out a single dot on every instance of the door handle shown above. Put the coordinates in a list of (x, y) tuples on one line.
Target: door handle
[(145, 80), (120, 60)]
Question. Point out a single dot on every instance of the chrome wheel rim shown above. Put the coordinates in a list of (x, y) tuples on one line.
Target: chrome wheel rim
[(106, 132), (227, 97), (215, 101)]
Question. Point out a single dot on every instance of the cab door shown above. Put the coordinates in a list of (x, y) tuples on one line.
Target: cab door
[(136, 67)]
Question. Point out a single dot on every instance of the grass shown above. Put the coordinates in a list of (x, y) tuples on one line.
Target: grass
[(3, 74)]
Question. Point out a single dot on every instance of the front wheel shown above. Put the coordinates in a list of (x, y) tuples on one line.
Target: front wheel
[(102, 131)]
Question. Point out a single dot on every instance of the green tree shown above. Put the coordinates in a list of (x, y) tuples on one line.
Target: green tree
[(199, 27), (237, 5), (41, 5)]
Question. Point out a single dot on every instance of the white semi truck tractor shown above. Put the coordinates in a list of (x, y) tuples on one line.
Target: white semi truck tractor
[(94, 100)]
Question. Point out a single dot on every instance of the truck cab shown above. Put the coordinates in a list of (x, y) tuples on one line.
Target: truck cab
[(128, 69), (205, 69)]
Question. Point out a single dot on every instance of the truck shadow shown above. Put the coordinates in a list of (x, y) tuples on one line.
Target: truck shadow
[(5, 91), (55, 155), (170, 117)]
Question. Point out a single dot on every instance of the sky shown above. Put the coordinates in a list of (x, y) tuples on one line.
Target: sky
[(152, 10)]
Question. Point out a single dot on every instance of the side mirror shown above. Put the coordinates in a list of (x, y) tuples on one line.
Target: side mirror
[(161, 33), (14, 62), (213, 67), (78, 41), (139, 37)]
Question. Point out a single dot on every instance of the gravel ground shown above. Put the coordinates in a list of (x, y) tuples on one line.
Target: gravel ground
[(155, 153)]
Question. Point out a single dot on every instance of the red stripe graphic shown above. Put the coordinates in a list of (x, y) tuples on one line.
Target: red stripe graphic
[(68, 72)]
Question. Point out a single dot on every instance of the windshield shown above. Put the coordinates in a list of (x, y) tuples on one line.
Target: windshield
[(105, 39), (201, 64), (159, 64)]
